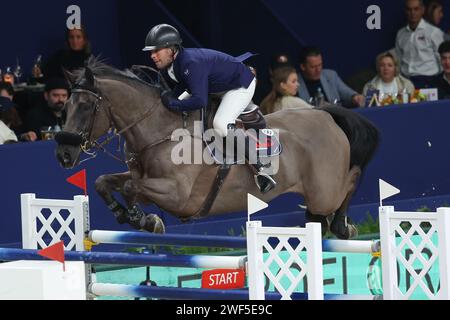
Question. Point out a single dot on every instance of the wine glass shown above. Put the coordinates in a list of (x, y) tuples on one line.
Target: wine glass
[(18, 72)]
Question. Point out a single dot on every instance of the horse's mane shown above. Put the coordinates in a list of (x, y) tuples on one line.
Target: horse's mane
[(100, 69)]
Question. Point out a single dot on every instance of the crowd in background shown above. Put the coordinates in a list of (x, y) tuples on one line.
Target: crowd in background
[(420, 58), (32, 116)]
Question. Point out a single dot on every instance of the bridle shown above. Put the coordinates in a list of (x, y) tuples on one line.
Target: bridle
[(84, 137)]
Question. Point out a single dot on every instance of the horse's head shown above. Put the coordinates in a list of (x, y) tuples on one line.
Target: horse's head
[(87, 119)]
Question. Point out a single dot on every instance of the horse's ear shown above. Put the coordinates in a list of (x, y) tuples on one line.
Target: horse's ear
[(70, 77), (89, 76)]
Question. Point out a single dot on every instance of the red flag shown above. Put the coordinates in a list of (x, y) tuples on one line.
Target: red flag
[(55, 252), (79, 180)]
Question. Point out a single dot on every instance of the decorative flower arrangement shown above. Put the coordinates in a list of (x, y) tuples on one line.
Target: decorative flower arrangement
[(416, 97)]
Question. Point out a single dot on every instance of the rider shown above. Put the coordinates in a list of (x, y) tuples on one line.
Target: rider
[(202, 72)]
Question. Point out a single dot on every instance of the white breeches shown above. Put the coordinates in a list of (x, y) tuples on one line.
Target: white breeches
[(233, 104)]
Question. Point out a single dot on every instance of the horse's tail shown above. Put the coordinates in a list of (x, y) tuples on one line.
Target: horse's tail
[(361, 133)]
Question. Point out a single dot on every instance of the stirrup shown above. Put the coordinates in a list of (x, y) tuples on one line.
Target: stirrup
[(265, 182)]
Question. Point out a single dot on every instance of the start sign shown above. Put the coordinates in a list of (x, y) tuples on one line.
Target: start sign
[(223, 279)]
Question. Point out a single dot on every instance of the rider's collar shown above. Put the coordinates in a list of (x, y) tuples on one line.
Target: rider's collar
[(171, 73), (171, 70)]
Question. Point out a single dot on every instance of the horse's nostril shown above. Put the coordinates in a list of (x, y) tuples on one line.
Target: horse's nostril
[(66, 157)]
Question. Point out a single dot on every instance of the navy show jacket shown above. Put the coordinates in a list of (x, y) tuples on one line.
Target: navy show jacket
[(201, 72)]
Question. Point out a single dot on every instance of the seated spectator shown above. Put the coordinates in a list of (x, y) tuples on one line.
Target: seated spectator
[(51, 115), (11, 115), (284, 92), (6, 134), (279, 60), (417, 45), (314, 79), (442, 81), (389, 80), (73, 57)]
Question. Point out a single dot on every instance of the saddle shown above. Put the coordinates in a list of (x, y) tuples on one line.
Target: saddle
[(251, 121)]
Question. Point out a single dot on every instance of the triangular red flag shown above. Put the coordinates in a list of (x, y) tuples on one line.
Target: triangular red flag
[(79, 180), (55, 252)]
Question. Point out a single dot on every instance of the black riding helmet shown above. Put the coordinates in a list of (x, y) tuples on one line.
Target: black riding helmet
[(162, 36)]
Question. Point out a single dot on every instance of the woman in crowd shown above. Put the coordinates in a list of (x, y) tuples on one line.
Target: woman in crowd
[(73, 57), (284, 91), (434, 15), (388, 79)]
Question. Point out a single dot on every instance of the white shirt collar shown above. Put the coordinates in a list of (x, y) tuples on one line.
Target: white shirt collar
[(170, 71), (421, 25)]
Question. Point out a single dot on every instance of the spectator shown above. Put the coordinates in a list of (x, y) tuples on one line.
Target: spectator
[(442, 81), (279, 60), (417, 45), (51, 115), (284, 91), (434, 15), (389, 80), (434, 12), (73, 57), (314, 79), (11, 115), (6, 134)]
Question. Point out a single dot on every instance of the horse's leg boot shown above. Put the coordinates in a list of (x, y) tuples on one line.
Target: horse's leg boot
[(153, 223), (119, 211), (324, 221), (135, 215), (343, 227)]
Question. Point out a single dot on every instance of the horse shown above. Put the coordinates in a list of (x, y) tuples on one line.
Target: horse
[(324, 154)]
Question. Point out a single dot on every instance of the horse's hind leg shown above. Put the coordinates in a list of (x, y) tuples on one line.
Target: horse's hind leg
[(342, 226)]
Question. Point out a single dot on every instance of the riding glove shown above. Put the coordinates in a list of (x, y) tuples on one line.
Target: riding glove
[(166, 98)]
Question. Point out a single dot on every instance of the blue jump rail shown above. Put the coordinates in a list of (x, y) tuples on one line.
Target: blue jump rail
[(140, 238), (118, 290), (128, 259)]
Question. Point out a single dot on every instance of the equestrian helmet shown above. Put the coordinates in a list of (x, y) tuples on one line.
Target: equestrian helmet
[(162, 36)]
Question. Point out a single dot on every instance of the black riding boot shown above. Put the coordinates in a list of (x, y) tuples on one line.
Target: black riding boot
[(264, 181)]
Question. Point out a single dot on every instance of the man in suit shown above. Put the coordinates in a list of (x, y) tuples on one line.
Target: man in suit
[(316, 81)]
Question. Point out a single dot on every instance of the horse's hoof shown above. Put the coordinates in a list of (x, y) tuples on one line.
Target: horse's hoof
[(343, 227), (153, 223)]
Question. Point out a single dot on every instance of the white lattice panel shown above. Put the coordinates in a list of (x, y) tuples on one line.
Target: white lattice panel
[(414, 244), (293, 255), (48, 221)]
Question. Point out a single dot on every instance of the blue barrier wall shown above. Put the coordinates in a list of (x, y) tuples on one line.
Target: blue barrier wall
[(414, 155)]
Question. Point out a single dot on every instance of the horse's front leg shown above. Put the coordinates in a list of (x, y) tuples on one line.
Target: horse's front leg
[(107, 184), (169, 192)]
